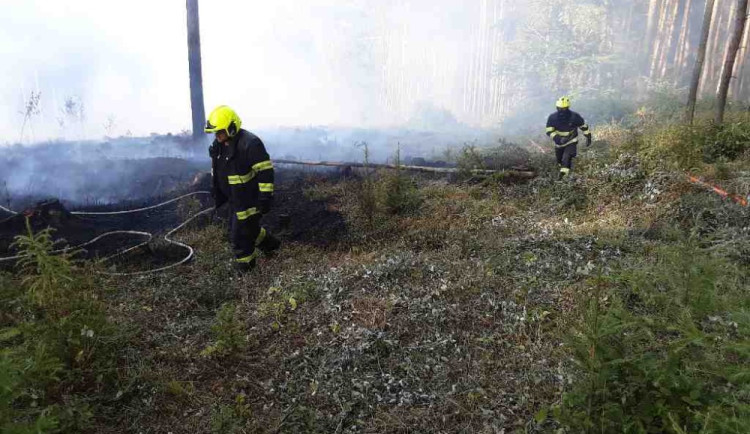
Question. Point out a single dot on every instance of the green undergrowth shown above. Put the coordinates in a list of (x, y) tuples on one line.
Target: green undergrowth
[(613, 301), (58, 365), (662, 345), (229, 332), (677, 146)]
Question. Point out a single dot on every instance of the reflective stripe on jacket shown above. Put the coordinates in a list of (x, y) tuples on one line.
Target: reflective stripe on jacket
[(562, 127), (242, 173)]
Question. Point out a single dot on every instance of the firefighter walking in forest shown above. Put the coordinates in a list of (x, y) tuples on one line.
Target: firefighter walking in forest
[(562, 128), (242, 174)]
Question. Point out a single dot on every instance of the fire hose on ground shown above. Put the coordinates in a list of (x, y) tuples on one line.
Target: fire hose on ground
[(190, 252), (736, 198), (148, 236)]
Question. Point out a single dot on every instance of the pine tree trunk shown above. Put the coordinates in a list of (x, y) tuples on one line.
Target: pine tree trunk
[(653, 9), (707, 18), (682, 43), (659, 39), (622, 71), (496, 16), (734, 45), (739, 83), (713, 49), (726, 34), (668, 56), (482, 85)]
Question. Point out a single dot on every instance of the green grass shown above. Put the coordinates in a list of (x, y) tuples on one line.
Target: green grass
[(613, 302)]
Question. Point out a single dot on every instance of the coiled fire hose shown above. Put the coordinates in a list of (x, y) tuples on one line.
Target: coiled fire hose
[(148, 236)]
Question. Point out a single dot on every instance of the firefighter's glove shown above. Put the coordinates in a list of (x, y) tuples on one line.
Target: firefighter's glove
[(265, 204), (588, 141), (214, 150)]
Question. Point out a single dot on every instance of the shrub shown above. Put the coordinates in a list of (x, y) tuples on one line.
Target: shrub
[(279, 302), (47, 276), (400, 194), (57, 343), (398, 191), (726, 142), (507, 156), (662, 347), (231, 418), (671, 147), (364, 192), (616, 134), (366, 199), (229, 332), (468, 159)]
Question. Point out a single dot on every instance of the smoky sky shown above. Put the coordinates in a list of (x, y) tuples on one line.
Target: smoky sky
[(280, 63)]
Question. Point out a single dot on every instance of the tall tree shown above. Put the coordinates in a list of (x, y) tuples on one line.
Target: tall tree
[(739, 84), (194, 66), (651, 26), (683, 42), (715, 49), (734, 45), (699, 61)]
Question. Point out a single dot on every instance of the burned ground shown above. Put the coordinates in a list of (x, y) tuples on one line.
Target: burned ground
[(452, 315), (295, 217)]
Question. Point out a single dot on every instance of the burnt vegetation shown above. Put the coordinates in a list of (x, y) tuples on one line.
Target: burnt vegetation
[(486, 298), (613, 301)]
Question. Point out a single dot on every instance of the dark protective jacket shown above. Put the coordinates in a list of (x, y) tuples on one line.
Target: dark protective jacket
[(242, 173), (563, 125)]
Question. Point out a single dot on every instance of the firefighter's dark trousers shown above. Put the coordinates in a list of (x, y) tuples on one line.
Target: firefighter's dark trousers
[(249, 238), (565, 156)]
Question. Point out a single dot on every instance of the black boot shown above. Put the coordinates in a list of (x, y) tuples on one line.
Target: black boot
[(244, 267), (269, 244)]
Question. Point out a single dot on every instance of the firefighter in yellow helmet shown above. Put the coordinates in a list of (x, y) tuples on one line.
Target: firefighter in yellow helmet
[(562, 128), (242, 175)]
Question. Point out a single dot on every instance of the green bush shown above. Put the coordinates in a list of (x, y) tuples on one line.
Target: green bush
[(47, 277), (469, 158), (25, 372), (364, 191), (392, 191), (663, 347), (366, 199), (400, 194), (227, 419), (229, 332), (58, 346), (280, 302), (726, 142), (506, 156), (684, 147), (671, 147)]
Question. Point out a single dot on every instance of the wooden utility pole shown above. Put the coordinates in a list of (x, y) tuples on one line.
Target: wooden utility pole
[(700, 58), (734, 45), (194, 65)]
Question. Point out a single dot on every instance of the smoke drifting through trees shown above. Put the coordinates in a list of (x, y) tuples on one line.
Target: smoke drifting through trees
[(485, 63), (517, 57)]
